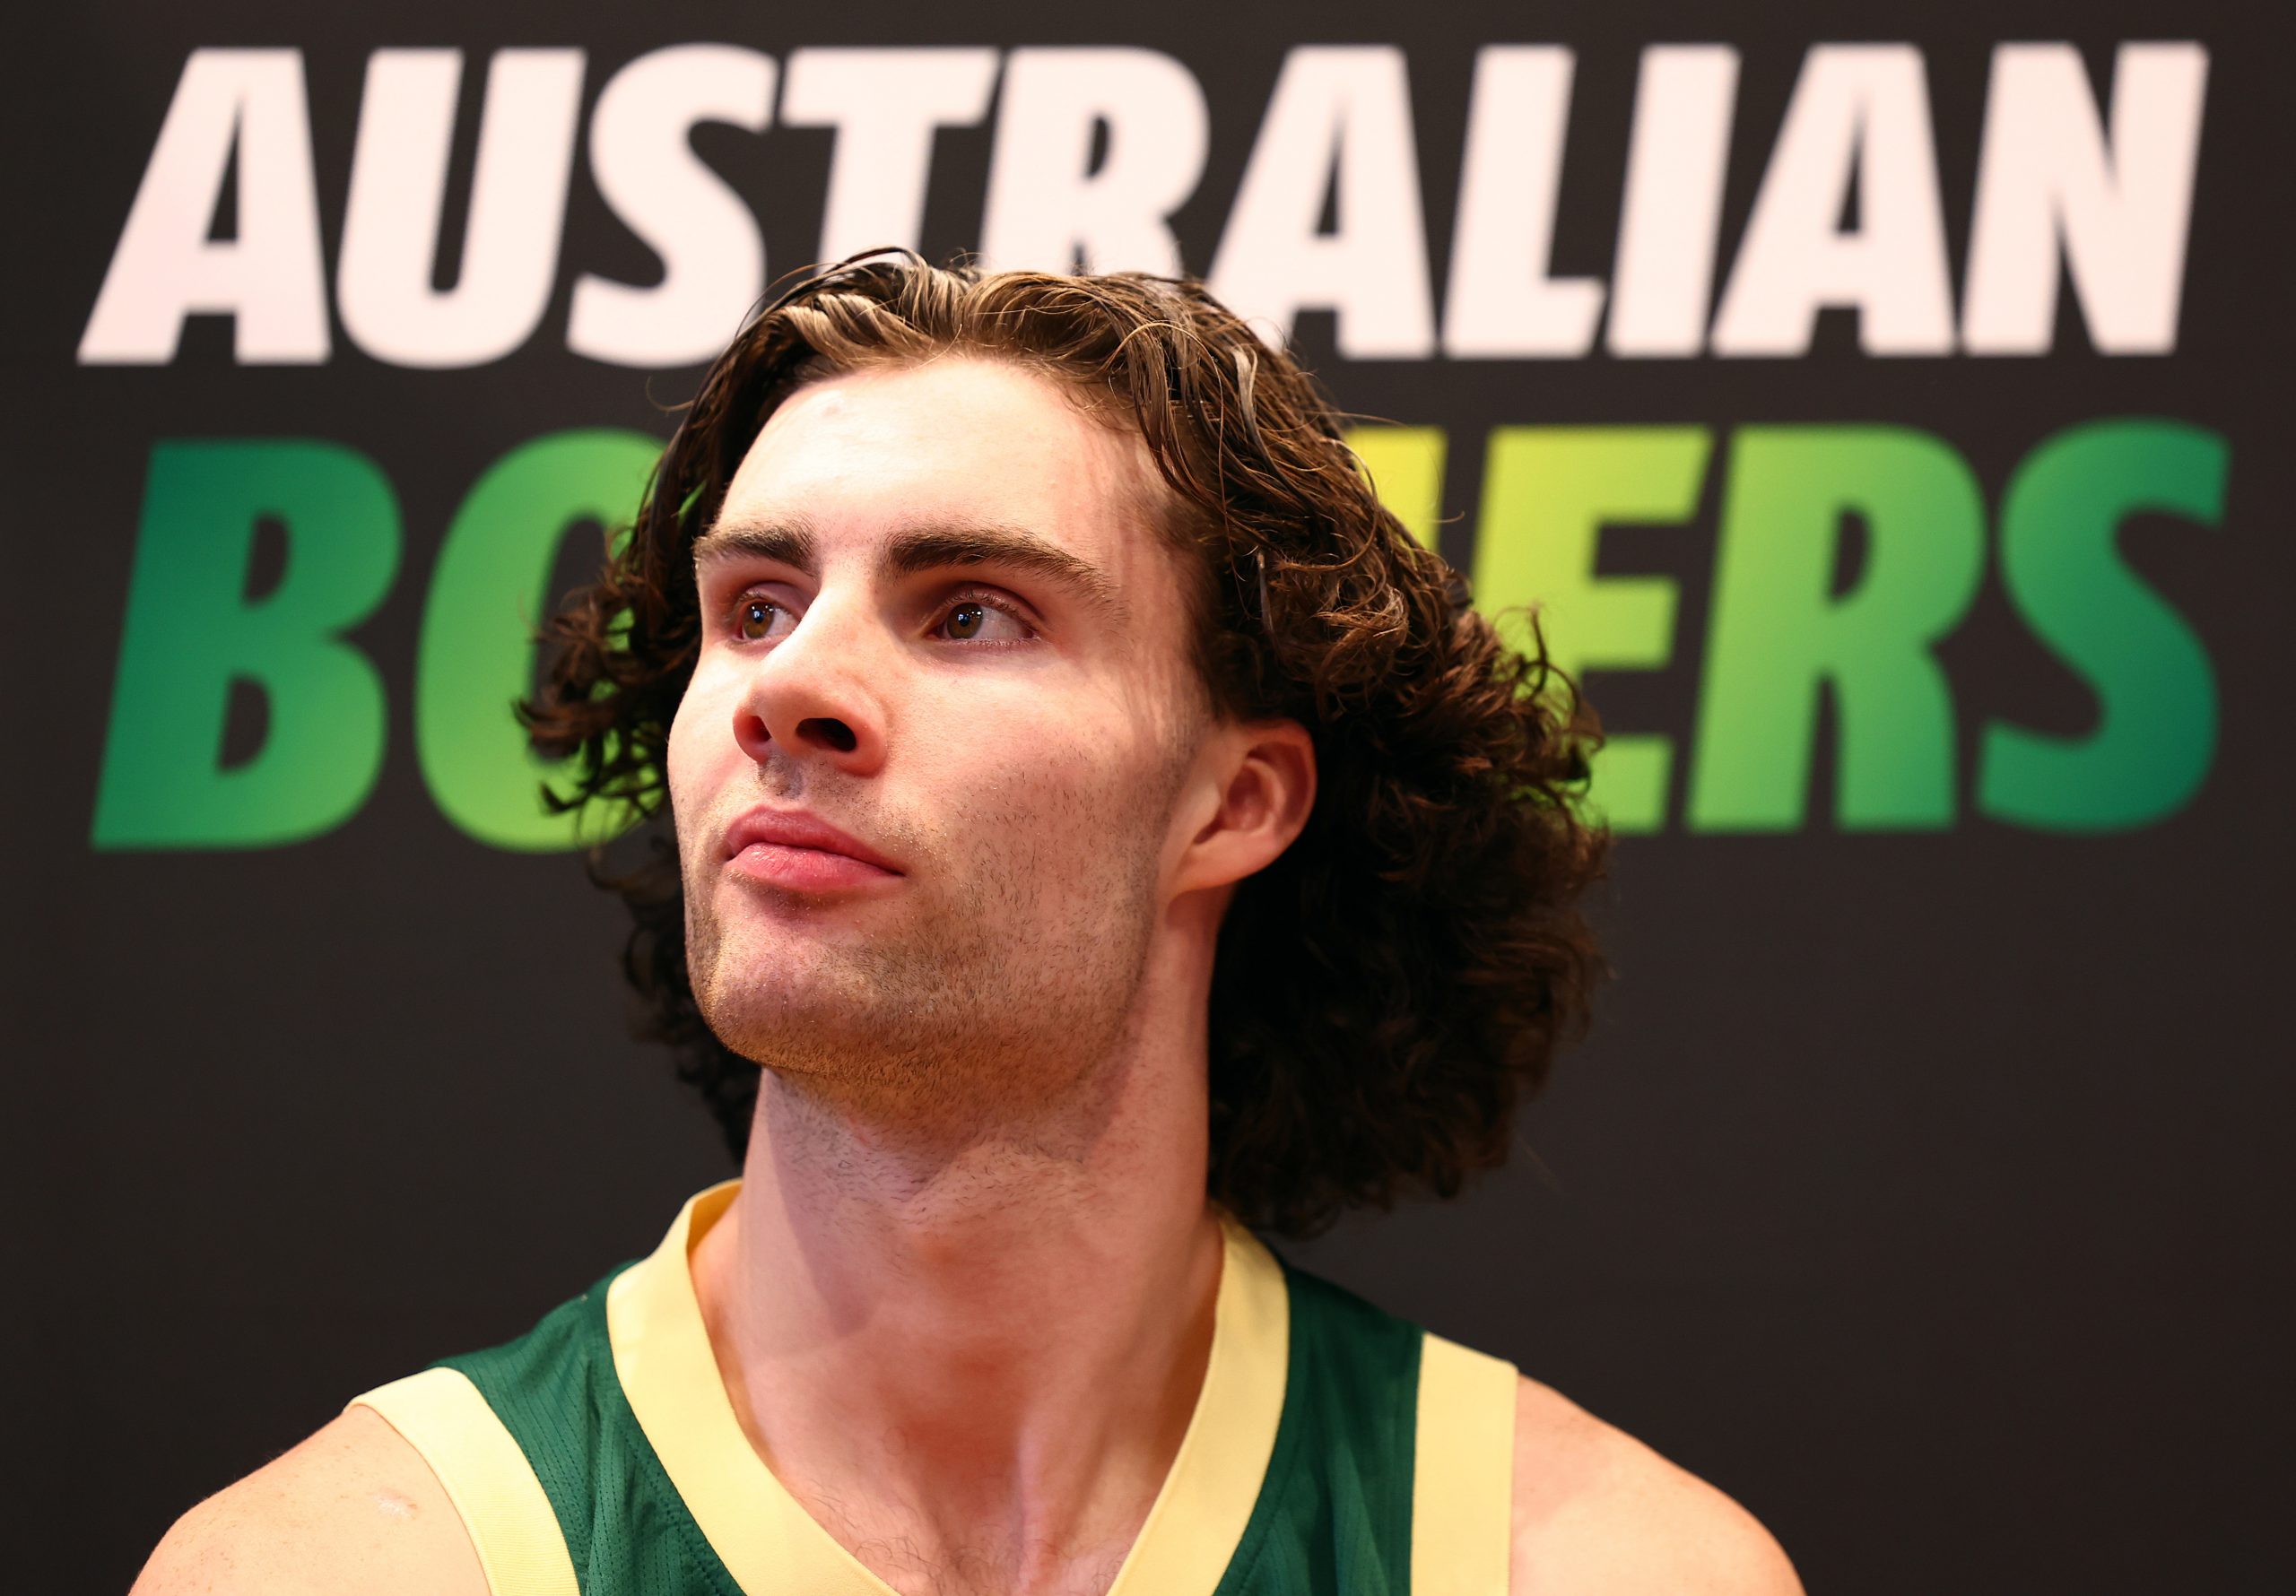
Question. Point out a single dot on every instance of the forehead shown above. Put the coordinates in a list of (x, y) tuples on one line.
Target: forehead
[(864, 454)]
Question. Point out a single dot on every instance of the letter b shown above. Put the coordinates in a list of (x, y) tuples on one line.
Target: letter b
[(192, 632)]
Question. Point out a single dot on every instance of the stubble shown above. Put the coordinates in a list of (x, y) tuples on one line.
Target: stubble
[(1006, 979)]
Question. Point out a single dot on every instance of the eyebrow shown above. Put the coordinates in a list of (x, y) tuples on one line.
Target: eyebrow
[(915, 550)]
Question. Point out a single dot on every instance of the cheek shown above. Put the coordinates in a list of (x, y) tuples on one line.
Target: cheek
[(1075, 786), (690, 748)]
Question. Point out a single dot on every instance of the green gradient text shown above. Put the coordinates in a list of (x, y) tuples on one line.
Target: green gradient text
[(192, 632), (488, 593)]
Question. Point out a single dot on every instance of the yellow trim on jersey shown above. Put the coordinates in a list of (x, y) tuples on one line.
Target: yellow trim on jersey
[(486, 1476), (1190, 1533), (663, 1358), (769, 1543), (1463, 1474)]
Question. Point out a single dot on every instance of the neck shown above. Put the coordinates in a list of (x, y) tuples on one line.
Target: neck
[(982, 1341)]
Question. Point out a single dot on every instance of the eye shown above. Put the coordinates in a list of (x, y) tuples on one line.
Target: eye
[(977, 619), (754, 616)]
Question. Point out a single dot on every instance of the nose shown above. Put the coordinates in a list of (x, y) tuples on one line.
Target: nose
[(809, 696)]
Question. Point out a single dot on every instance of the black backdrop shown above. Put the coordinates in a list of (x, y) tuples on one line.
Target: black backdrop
[(1923, 1186)]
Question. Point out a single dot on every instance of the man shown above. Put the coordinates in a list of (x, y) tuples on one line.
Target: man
[(1100, 829)]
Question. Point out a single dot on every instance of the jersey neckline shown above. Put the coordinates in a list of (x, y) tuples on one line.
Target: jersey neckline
[(767, 1541)]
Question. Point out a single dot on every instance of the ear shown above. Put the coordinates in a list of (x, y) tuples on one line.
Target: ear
[(1252, 790)]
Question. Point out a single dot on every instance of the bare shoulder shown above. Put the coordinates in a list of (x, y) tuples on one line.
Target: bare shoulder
[(1599, 1513), (353, 1511)]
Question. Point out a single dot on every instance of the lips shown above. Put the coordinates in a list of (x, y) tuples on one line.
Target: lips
[(790, 828)]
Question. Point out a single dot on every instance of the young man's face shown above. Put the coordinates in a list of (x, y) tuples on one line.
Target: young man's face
[(1006, 735)]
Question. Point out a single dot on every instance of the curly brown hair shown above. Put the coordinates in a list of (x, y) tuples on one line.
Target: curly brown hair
[(1386, 992)]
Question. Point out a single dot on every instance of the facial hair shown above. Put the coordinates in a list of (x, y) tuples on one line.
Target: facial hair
[(1009, 975)]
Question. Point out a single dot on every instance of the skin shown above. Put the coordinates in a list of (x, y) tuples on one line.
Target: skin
[(973, 1204)]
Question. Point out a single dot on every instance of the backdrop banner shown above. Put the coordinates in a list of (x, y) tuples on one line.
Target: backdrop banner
[(1885, 406)]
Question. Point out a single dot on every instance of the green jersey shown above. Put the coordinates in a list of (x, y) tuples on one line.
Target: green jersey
[(1333, 1449)]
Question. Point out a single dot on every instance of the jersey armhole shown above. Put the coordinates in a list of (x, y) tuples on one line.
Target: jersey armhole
[(503, 1508), (1462, 1472)]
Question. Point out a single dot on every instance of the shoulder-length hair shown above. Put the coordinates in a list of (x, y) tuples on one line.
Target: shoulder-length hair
[(1389, 990)]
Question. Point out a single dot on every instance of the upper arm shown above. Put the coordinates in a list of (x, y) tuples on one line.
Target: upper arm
[(353, 1511), (1599, 1513)]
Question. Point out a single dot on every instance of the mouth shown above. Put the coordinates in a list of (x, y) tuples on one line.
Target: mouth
[(801, 851)]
